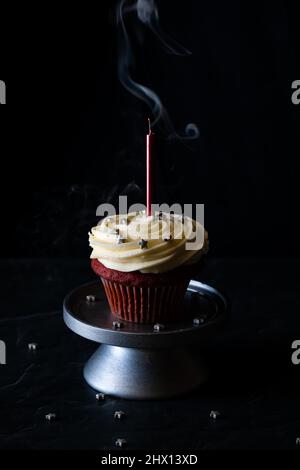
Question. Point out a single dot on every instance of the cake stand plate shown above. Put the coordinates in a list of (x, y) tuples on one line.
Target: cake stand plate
[(138, 361)]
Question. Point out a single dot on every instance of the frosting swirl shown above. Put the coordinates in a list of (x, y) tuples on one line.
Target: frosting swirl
[(149, 244)]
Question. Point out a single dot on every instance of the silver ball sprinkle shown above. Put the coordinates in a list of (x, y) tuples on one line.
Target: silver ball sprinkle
[(117, 325), (143, 243), (158, 327), (119, 414), (214, 414), (100, 396), (90, 298), (33, 346), (50, 417), (198, 321)]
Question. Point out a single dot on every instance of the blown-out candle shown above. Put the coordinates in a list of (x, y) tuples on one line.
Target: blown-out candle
[(149, 164)]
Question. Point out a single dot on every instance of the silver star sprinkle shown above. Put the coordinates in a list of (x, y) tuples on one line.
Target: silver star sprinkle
[(143, 243)]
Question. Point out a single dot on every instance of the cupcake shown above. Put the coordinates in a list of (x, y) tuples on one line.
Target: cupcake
[(145, 263)]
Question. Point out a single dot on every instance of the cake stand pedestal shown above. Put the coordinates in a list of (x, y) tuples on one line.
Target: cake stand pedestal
[(139, 361)]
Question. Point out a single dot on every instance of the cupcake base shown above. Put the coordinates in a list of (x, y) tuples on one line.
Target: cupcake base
[(145, 298)]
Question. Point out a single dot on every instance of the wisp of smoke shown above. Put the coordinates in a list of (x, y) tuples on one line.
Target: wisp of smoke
[(147, 13)]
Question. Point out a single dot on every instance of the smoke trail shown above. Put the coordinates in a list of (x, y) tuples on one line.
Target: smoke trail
[(147, 13)]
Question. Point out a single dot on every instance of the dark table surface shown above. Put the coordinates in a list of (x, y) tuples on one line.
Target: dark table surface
[(253, 383)]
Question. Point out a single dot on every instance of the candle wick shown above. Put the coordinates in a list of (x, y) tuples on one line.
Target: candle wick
[(149, 124)]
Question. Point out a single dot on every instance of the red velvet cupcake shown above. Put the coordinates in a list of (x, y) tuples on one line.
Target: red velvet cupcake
[(145, 263)]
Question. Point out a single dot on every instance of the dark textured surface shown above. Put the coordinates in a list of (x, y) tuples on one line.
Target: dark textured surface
[(253, 382)]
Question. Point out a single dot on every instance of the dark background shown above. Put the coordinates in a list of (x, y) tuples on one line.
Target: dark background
[(72, 137)]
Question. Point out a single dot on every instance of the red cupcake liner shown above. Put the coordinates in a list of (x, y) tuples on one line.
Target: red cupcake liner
[(146, 304)]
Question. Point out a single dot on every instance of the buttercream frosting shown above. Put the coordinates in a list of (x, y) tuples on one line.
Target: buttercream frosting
[(149, 244)]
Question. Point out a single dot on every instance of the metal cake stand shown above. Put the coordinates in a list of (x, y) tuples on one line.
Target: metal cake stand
[(138, 361)]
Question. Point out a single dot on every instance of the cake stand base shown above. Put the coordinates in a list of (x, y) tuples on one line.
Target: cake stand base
[(143, 374)]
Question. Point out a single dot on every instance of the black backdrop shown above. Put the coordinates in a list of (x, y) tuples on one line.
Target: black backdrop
[(72, 137)]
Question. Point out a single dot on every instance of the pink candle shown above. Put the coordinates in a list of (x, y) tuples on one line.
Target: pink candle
[(149, 145)]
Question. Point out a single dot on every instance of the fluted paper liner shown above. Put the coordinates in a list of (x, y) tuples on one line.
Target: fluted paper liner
[(146, 304)]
